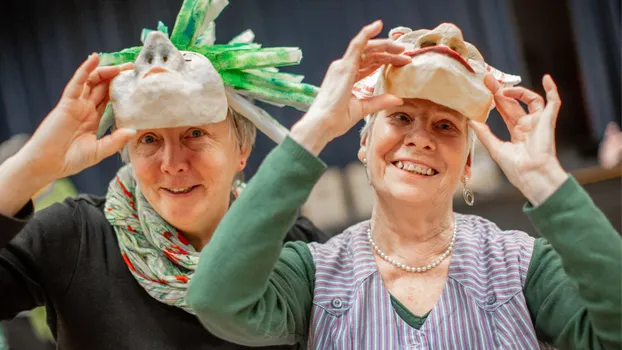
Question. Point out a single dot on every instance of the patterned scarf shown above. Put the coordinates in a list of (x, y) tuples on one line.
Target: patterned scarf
[(158, 255)]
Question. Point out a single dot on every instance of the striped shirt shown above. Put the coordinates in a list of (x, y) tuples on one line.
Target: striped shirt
[(481, 307)]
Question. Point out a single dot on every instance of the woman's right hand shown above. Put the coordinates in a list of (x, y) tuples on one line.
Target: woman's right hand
[(65, 142), (335, 109)]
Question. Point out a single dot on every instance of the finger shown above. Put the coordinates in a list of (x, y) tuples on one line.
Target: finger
[(101, 107), (378, 103), (488, 139), (356, 46), (509, 108), (380, 58), (363, 73), (383, 45), (99, 93), (103, 74), (113, 143), (553, 101), (533, 101), (76, 83)]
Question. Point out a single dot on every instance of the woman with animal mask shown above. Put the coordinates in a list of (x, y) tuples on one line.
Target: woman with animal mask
[(417, 274), (113, 271)]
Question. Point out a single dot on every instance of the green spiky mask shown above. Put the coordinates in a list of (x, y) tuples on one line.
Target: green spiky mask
[(203, 79)]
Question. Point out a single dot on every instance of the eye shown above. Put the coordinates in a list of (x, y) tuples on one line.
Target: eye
[(446, 126), (196, 133), (147, 139), (401, 117), (187, 58)]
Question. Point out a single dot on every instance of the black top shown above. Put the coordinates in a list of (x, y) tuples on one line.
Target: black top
[(66, 257)]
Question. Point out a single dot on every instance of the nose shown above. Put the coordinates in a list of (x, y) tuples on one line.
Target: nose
[(158, 55), (419, 136), (174, 159), (446, 34)]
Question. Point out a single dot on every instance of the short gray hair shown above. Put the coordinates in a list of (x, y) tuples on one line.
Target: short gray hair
[(245, 133)]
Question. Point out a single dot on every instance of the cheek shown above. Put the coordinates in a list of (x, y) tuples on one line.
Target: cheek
[(145, 171), (384, 139)]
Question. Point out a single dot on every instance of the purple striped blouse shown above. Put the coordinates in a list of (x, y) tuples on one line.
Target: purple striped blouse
[(481, 307)]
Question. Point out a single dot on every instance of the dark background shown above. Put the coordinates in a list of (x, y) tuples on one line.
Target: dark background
[(577, 41)]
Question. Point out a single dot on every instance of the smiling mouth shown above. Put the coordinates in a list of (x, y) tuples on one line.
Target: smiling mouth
[(443, 50), (415, 168), (181, 190)]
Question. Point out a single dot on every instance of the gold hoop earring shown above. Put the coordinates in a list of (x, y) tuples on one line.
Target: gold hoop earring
[(467, 193)]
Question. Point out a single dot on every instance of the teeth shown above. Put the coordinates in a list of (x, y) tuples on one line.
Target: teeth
[(419, 169), (179, 190)]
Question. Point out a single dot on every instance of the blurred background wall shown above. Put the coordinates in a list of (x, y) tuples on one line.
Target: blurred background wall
[(576, 41)]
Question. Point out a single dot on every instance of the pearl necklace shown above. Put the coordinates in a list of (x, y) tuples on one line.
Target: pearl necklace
[(409, 268)]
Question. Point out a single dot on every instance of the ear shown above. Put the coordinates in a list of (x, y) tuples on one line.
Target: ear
[(362, 154), (467, 165), (244, 154)]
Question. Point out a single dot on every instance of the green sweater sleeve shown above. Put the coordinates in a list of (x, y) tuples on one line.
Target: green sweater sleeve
[(574, 286), (248, 288)]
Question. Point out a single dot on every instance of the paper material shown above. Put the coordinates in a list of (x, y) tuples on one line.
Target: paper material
[(246, 69), (445, 70), (168, 88)]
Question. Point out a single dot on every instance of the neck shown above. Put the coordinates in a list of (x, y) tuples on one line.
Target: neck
[(200, 234), (412, 233)]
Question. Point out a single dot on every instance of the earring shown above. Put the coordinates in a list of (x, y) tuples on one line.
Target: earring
[(365, 161), (467, 194)]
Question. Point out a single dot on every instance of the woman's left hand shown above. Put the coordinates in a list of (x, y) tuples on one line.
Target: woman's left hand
[(529, 160)]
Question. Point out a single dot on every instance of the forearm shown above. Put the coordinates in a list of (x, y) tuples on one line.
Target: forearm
[(234, 291), (18, 184), (575, 291)]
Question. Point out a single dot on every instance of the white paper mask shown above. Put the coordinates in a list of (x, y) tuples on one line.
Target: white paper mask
[(445, 69), (168, 88)]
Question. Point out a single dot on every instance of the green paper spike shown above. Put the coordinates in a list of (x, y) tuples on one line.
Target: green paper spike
[(208, 37), (272, 57), (237, 78), (162, 28), (119, 57), (273, 73), (193, 19), (246, 68), (246, 36)]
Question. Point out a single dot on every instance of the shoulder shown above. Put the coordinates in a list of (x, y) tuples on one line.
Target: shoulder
[(499, 254), (340, 244), (488, 235), (305, 230), (72, 216)]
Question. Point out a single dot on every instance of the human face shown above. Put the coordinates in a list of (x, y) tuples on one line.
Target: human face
[(422, 135), (186, 173)]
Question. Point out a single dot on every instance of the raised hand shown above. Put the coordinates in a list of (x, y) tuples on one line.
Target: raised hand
[(529, 160), (65, 143), (336, 110)]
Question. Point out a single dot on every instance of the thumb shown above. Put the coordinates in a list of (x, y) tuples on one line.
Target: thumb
[(488, 139), (113, 143), (380, 102)]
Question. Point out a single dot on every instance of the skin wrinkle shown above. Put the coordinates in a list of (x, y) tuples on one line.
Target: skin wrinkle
[(397, 236), (207, 156)]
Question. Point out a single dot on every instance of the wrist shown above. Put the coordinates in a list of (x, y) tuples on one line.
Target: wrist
[(19, 182), (312, 136), (539, 184)]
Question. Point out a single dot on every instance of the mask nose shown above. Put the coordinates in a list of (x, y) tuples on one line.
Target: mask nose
[(158, 55)]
